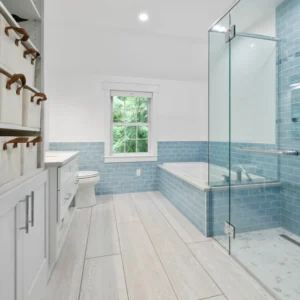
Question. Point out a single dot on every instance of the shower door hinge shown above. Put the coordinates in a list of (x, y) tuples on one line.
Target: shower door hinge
[(230, 34), (229, 230)]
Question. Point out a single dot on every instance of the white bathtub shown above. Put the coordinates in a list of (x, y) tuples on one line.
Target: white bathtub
[(196, 173)]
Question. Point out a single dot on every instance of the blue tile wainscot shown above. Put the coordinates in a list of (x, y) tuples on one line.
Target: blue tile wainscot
[(118, 178)]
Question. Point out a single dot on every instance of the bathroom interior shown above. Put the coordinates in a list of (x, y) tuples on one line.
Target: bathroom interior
[(150, 150)]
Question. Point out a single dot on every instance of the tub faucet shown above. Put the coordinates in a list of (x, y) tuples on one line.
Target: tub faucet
[(239, 169)]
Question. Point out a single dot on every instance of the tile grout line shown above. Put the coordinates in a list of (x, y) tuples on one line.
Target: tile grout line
[(115, 218), (154, 246), (209, 240), (212, 297), (106, 255), (87, 241), (191, 250)]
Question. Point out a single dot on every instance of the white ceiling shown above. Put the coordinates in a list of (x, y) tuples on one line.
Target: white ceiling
[(189, 18), (104, 36)]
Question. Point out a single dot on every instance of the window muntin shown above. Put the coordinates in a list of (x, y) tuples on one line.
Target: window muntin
[(130, 123)]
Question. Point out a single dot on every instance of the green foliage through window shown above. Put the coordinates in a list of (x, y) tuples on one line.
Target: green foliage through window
[(130, 124)]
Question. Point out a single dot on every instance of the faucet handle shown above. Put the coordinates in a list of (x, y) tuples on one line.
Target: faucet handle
[(226, 178)]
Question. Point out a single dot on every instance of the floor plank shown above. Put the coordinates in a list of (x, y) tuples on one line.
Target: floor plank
[(125, 209), (186, 230), (103, 279), (232, 279), (103, 236), (66, 277), (138, 197), (189, 279), (145, 276)]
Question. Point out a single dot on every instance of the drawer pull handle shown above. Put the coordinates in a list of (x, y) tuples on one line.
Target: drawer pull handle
[(15, 141), (22, 31), (34, 141), (42, 96), (15, 79), (31, 52), (26, 227), (32, 209)]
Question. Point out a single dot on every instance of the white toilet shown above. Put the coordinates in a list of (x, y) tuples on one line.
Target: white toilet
[(86, 193)]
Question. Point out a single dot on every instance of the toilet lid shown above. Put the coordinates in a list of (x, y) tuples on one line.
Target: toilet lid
[(87, 174)]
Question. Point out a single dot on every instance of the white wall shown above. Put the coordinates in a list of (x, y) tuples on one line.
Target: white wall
[(77, 108), (82, 51)]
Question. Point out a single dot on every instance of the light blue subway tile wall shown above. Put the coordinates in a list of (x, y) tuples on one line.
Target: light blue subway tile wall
[(262, 165), (182, 152), (288, 30), (251, 209), (119, 178), (187, 198)]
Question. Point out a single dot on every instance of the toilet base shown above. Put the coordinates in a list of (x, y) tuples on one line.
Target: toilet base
[(85, 196)]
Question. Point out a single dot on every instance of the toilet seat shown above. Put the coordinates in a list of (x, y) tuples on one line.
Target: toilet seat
[(87, 174)]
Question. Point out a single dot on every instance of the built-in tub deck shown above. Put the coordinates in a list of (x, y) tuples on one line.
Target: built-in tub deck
[(256, 204)]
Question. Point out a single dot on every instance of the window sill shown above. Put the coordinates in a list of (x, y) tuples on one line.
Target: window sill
[(129, 159)]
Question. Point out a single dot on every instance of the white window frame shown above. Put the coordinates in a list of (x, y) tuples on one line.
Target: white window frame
[(109, 88)]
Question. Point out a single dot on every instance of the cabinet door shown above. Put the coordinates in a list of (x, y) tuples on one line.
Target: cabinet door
[(12, 226), (35, 243)]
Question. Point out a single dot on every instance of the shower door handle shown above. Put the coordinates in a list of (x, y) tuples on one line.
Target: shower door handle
[(269, 151)]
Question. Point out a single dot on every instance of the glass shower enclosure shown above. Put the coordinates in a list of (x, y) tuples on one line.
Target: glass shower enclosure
[(251, 111)]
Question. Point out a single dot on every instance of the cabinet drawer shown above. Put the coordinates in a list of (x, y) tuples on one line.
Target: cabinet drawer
[(67, 171), (66, 194)]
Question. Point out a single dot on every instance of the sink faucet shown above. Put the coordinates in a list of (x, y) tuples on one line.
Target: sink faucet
[(239, 169)]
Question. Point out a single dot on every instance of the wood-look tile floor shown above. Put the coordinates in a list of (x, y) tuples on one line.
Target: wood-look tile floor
[(140, 247)]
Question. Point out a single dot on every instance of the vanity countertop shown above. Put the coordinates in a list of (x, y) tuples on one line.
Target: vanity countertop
[(59, 158)]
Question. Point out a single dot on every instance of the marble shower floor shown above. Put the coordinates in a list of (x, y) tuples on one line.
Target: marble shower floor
[(274, 260)]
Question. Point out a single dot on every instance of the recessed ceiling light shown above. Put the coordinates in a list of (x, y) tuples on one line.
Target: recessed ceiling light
[(143, 17)]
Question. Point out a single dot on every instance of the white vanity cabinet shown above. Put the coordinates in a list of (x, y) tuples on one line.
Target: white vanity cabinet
[(24, 240), (63, 186)]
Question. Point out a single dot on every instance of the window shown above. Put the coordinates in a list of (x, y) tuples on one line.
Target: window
[(130, 122)]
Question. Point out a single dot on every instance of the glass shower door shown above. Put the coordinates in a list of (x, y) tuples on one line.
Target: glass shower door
[(255, 191), (255, 195), (219, 146)]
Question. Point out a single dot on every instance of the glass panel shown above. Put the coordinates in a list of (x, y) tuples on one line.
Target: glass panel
[(142, 110), (218, 206), (130, 116), (143, 132), (118, 146), (118, 132), (265, 191), (118, 103), (130, 146), (130, 103), (118, 116), (131, 132), (142, 146), (130, 111)]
